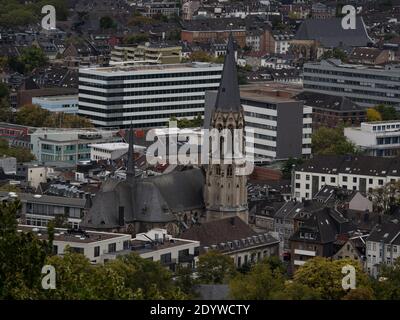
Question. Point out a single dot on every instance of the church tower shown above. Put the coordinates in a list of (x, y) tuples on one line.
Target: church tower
[(226, 189)]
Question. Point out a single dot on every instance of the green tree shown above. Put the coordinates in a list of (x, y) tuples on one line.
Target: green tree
[(78, 279), (387, 112), (31, 115), (359, 294), (325, 277), (22, 154), (331, 141), (288, 167), (387, 286), (296, 291), (261, 283), (35, 116), (4, 92), (335, 53), (184, 280), (215, 268), (22, 257), (5, 110), (136, 38), (107, 22), (32, 57), (145, 278), (383, 198), (201, 56)]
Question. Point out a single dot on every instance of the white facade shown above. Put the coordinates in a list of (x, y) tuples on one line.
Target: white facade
[(95, 245), (66, 104), (380, 253), (107, 151), (376, 138), (264, 122), (303, 182), (146, 96), (365, 86), (68, 145), (172, 250), (37, 175)]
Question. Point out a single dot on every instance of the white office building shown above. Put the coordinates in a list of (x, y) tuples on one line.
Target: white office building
[(271, 115), (69, 145), (65, 103), (93, 245), (381, 138), (364, 85), (145, 95)]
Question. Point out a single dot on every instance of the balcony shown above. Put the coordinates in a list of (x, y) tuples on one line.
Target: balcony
[(298, 262), (188, 258), (304, 252)]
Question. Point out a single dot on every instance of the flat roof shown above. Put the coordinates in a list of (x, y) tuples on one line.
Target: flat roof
[(150, 67), (61, 234), (139, 245), (57, 98), (52, 200), (111, 146), (264, 92)]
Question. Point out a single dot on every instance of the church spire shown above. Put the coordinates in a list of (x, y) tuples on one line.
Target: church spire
[(130, 170), (228, 98)]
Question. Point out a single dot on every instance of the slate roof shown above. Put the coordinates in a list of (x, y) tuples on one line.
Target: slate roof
[(215, 232), (73, 202), (360, 165), (228, 97), (330, 34), (153, 199), (389, 233), (229, 230), (321, 225), (328, 102)]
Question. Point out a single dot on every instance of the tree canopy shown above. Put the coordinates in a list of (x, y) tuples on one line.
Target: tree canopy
[(331, 141), (23, 255), (21, 154), (215, 268), (288, 166), (35, 116)]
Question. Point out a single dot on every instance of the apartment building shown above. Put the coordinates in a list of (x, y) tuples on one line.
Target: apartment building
[(93, 244), (380, 138), (147, 95), (38, 210), (332, 111), (149, 52), (367, 86), (158, 245), (383, 247), (234, 238), (361, 173), (68, 145)]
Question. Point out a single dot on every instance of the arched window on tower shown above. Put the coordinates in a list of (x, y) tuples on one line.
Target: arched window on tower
[(229, 171), (221, 148)]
